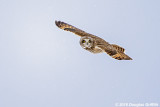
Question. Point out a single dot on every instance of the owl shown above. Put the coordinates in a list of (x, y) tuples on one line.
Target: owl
[(95, 44)]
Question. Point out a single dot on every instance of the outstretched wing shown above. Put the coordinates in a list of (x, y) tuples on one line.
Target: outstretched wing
[(121, 56), (67, 27), (120, 53), (115, 51)]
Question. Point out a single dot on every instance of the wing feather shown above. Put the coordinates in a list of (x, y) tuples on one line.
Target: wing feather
[(108, 49), (68, 27), (114, 53), (121, 56)]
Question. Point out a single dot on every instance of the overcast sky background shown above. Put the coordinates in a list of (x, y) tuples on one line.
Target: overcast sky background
[(44, 66)]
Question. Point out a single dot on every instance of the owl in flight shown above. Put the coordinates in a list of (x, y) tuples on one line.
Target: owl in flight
[(95, 44)]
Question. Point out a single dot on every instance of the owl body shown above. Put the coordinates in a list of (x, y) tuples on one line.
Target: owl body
[(95, 44)]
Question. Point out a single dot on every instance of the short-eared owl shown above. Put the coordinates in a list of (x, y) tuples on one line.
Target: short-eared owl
[(95, 44)]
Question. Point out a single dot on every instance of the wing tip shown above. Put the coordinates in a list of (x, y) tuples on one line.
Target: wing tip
[(128, 58), (122, 56), (58, 23), (118, 58)]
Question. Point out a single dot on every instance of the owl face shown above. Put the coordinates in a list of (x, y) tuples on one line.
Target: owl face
[(86, 42)]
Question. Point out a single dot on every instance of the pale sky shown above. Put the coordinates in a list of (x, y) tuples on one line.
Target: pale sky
[(44, 66)]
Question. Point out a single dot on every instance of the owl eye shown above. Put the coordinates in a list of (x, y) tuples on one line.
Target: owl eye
[(89, 41), (83, 41)]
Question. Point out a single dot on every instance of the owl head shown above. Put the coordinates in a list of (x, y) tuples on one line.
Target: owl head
[(86, 42)]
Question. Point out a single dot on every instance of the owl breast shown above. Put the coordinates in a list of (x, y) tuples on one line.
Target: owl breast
[(95, 50)]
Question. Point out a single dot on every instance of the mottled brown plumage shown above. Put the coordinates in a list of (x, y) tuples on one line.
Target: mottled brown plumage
[(95, 44)]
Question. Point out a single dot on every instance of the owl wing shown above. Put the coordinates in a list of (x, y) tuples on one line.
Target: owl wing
[(120, 53), (114, 51), (67, 27), (121, 56)]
